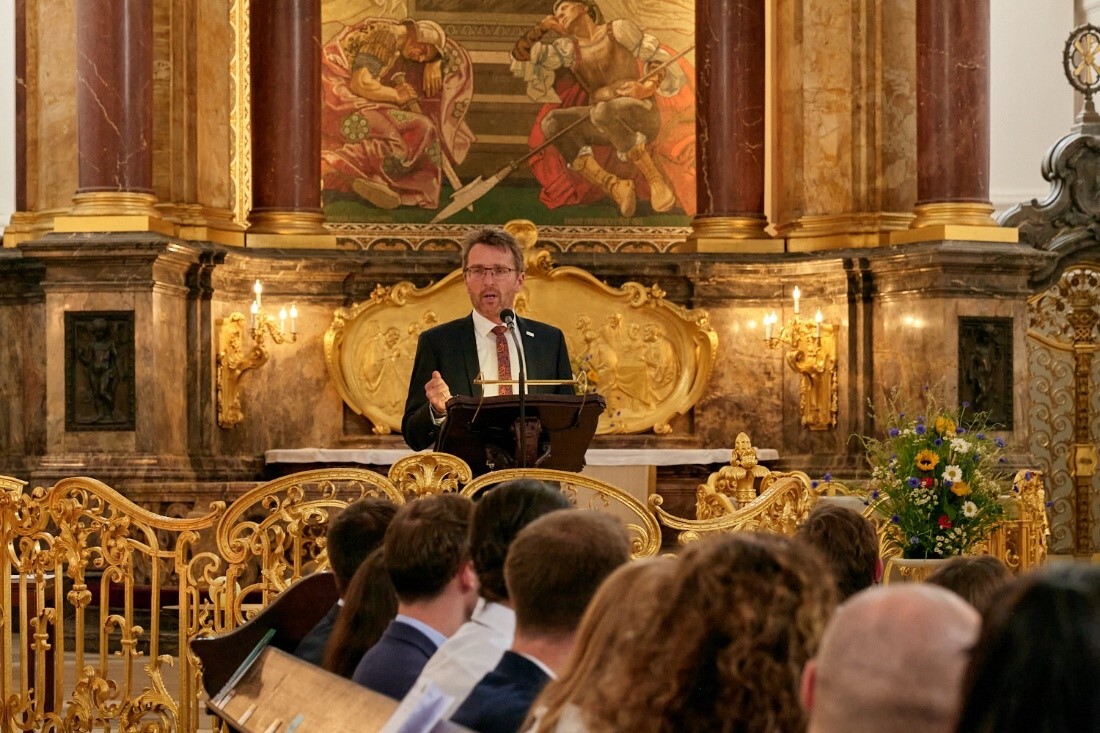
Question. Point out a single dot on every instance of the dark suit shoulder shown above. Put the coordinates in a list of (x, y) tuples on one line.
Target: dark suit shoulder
[(500, 701), (448, 330)]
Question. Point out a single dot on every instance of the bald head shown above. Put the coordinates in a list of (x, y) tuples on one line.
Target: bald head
[(892, 659)]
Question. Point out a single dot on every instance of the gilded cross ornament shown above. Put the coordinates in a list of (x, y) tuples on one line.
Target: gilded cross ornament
[(1080, 60)]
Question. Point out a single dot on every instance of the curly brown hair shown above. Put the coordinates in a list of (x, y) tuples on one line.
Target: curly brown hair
[(727, 648)]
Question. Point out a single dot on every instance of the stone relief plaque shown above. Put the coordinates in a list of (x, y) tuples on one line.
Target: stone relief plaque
[(99, 371), (985, 367)]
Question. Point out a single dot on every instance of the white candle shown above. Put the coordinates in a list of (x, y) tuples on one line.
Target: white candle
[(769, 322), (255, 311), (817, 320), (257, 288), (797, 295), (293, 319)]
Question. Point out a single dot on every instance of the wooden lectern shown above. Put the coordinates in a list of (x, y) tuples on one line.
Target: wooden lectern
[(484, 431)]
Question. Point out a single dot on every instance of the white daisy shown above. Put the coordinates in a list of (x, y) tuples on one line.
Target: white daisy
[(970, 510), (954, 474), (960, 445)]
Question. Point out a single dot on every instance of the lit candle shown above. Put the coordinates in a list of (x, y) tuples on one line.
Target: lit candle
[(293, 319), (817, 320), (282, 319), (255, 311), (797, 295), (769, 323), (258, 288)]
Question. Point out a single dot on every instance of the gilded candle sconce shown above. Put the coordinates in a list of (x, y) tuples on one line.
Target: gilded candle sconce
[(235, 358), (811, 351)]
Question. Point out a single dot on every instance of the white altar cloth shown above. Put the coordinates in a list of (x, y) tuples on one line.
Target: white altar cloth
[(593, 457)]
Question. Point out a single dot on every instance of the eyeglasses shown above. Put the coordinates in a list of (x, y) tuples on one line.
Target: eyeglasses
[(480, 273)]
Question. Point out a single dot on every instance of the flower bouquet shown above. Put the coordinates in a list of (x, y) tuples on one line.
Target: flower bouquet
[(936, 477)]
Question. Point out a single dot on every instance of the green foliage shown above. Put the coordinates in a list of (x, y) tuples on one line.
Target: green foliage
[(936, 476)]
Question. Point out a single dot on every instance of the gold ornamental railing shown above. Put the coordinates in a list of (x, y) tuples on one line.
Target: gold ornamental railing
[(100, 596)]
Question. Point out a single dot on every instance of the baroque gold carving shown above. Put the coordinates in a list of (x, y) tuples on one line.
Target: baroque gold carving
[(731, 486), (586, 492), (811, 351), (234, 359), (651, 359), (785, 499)]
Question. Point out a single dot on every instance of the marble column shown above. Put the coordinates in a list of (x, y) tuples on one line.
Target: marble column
[(953, 113), (729, 62), (285, 50), (114, 109)]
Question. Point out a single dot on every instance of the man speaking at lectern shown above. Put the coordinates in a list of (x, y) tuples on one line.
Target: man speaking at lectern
[(451, 355)]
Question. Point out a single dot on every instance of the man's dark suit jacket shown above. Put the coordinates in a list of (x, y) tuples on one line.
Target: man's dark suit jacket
[(450, 349), (312, 646), (392, 665), (499, 703)]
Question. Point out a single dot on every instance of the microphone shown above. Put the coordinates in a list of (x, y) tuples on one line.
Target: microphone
[(509, 317)]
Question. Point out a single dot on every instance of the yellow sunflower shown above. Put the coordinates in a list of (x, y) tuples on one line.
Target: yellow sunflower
[(927, 460), (960, 488), (945, 426)]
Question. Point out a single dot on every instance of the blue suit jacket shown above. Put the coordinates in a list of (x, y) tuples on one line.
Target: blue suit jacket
[(451, 350), (312, 646), (499, 703), (392, 665)]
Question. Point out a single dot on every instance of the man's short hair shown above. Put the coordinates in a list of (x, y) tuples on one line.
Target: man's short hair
[(848, 542), (977, 578), (354, 533), (499, 514), (555, 565), (496, 238), (426, 545)]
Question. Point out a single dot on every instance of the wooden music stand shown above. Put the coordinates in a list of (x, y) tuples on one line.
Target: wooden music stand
[(483, 431), (292, 615)]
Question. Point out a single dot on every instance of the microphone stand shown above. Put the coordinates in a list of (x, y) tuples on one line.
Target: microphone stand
[(513, 330)]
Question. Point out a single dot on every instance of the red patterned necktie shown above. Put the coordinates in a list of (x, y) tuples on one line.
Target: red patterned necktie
[(504, 361)]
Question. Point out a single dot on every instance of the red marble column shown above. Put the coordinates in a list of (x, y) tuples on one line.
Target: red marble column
[(953, 112), (114, 107), (286, 116), (730, 58)]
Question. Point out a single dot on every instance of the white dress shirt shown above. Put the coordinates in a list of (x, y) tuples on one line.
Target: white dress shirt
[(471, 653), (487, 353)]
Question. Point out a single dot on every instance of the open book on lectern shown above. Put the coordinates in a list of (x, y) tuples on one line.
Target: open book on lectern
[(485, 431)]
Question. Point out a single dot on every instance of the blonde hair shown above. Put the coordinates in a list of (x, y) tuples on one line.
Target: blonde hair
[(626, 602)]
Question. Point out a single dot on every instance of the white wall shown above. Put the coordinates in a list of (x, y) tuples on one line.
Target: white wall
[(7, 110), (1031, 101)]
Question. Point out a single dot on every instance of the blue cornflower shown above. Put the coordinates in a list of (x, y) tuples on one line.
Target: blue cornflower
[(981, 436), (828, 477), (813, 484), (914, 482), (965, 405), (895, 519), (937, 442), (893, 432), (920, 419), (960, 431), (999, 442), (914, 541), (920, 429), (874, 494)]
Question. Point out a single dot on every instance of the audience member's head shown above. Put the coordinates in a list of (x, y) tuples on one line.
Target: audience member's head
[(626, 603), (724, 653), (848, 542), (976, 578), (892, 659), (1036, 665), (555, 565), (369, 606), (427, 546), (353, 534), (499, 514)]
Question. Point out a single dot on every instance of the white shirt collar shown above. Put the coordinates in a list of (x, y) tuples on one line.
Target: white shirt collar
[(538, 663), (483, 325)]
